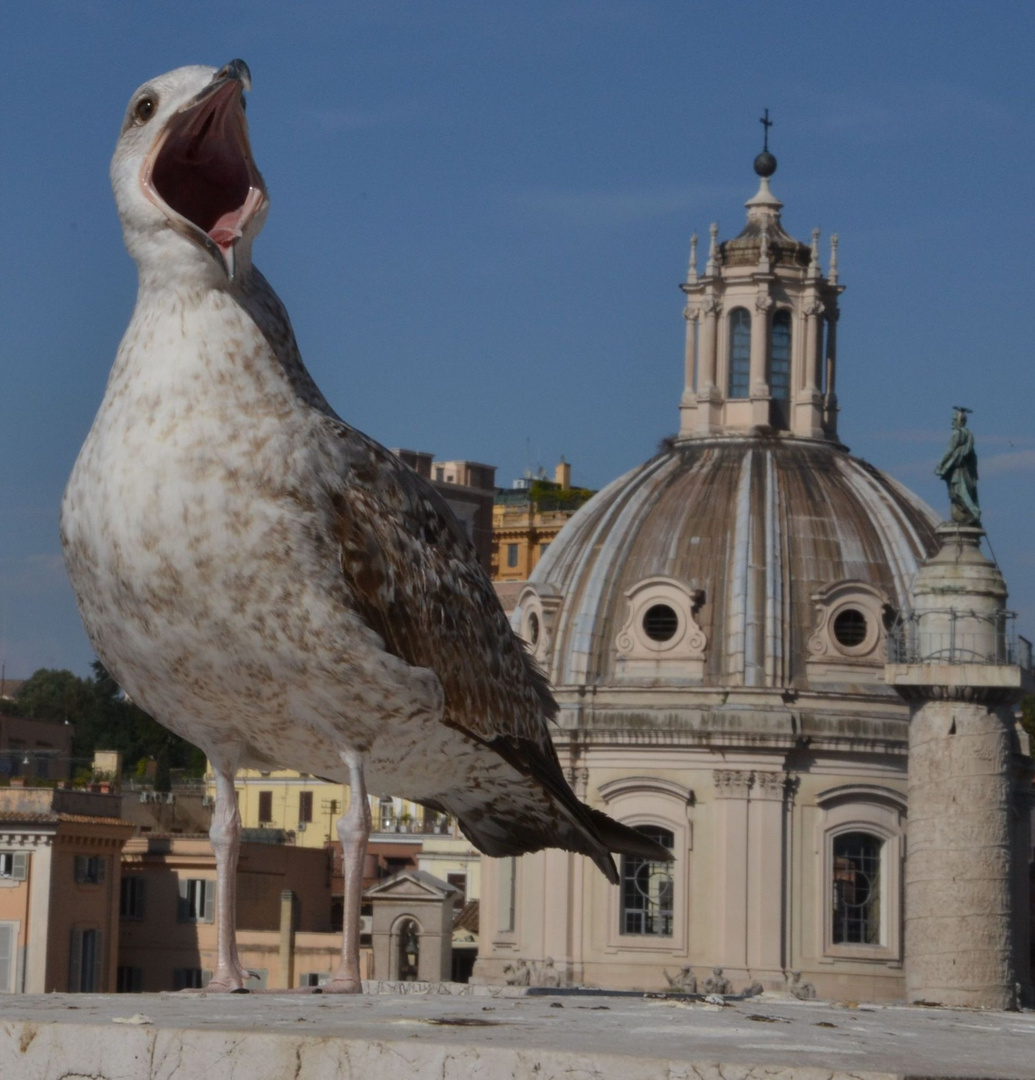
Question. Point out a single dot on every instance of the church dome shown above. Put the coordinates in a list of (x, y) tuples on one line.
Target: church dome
[(753, 551), (730, 562)]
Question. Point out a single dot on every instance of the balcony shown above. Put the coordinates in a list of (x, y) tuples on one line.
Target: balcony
[(949, 636)]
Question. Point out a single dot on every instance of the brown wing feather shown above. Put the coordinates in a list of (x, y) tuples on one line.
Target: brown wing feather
[(415, 578)]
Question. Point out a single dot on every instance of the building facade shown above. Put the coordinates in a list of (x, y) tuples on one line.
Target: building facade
[(715, 626), (60, 878), (527, 518)]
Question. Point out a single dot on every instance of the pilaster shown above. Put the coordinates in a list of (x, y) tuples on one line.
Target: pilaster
[(731, 805)]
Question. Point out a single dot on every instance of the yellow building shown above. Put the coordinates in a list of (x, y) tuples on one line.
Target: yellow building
[(526, 518), (404, 835)]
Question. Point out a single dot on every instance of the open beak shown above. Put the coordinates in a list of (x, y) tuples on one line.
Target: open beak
[(200, 170)]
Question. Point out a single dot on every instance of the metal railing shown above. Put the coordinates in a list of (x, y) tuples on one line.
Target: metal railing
[(949, 636)]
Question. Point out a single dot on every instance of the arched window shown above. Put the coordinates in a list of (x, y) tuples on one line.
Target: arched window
[(780, 356), (740, 353), (647, 889), (857, 889)]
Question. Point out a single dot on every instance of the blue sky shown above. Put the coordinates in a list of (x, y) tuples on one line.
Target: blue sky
[(481, 214)]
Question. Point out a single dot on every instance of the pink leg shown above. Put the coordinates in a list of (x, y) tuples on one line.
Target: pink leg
[(225, 835), (354, 832)]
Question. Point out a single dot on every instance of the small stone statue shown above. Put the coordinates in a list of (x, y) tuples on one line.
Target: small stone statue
[(548, 975), (753, 989), (717, 983), (517, 974), (958, 468), (683, 982), (803, 991)]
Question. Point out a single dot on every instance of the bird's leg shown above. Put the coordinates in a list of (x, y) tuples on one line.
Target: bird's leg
[(353, 832), (225, 834)]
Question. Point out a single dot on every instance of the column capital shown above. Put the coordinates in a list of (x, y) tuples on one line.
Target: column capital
[(732, 783)]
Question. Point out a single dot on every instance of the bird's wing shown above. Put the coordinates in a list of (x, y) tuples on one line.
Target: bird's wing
[(415, 578)]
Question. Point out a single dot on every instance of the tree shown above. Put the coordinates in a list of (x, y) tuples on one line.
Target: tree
[(1028, 716), (58, 696), (104, 718)]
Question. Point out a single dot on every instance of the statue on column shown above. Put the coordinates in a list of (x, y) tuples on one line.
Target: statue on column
[(958, 468)]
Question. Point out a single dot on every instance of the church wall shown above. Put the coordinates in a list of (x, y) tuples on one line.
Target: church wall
[(751, 877)]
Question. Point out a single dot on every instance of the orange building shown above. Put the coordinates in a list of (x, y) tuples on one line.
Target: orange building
[(60, 878)]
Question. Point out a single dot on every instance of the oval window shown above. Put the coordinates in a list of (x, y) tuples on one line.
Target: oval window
[(660, 622), (533, 628), (850, 628)]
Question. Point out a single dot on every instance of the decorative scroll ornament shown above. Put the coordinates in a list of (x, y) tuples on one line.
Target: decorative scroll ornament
[(763, 302)]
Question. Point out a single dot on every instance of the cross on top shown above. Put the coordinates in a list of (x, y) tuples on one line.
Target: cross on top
[(766, 125)]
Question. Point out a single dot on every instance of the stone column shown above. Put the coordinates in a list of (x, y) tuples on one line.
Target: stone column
[(287, 939), (759, 381), (830, 397), (709, 396), (691, 377), (808, 412), (963, 919)]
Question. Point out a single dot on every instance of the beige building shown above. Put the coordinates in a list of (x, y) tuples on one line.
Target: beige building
[(60, 878), (715, 625)]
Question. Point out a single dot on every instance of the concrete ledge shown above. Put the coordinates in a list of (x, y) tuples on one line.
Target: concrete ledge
[(440, 1037)]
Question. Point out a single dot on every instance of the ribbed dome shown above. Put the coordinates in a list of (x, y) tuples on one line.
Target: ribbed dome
[(764, 538)]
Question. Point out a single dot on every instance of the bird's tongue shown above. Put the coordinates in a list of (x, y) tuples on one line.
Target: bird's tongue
[(228, 227)]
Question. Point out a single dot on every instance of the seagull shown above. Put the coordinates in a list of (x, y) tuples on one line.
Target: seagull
[(264, 579)]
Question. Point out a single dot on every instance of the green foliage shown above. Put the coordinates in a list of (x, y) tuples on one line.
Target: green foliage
[(1028, 716), (548, 496), (57, 696), (104, 718)]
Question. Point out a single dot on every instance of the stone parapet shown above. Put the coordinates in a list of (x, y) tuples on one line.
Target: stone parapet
[(435, 1037)]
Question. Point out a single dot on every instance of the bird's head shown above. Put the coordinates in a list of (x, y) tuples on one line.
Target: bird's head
[(188, 192)]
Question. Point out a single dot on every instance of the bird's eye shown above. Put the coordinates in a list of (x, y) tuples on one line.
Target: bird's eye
[(145, 109)]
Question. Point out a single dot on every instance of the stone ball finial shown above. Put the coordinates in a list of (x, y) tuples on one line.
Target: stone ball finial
[(765, 164)]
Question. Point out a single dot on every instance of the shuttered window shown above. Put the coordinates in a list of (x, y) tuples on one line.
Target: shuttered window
[(90, 869), (197, 900), (8, 945), (14, 865), (86, 961), (133, 897)]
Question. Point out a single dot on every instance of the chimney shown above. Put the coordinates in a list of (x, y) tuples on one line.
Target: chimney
[(562, 475)]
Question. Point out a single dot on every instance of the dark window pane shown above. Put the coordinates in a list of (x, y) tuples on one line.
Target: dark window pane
[(856, 889), (780, 357), (647, 890), (740, 353)]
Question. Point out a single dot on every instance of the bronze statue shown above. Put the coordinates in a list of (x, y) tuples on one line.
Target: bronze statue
[(958, 468)]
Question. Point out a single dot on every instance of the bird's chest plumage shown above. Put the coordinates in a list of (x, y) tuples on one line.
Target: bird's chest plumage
[(194, 533)]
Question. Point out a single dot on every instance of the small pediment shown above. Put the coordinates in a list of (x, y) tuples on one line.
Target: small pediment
[(411, 884)]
